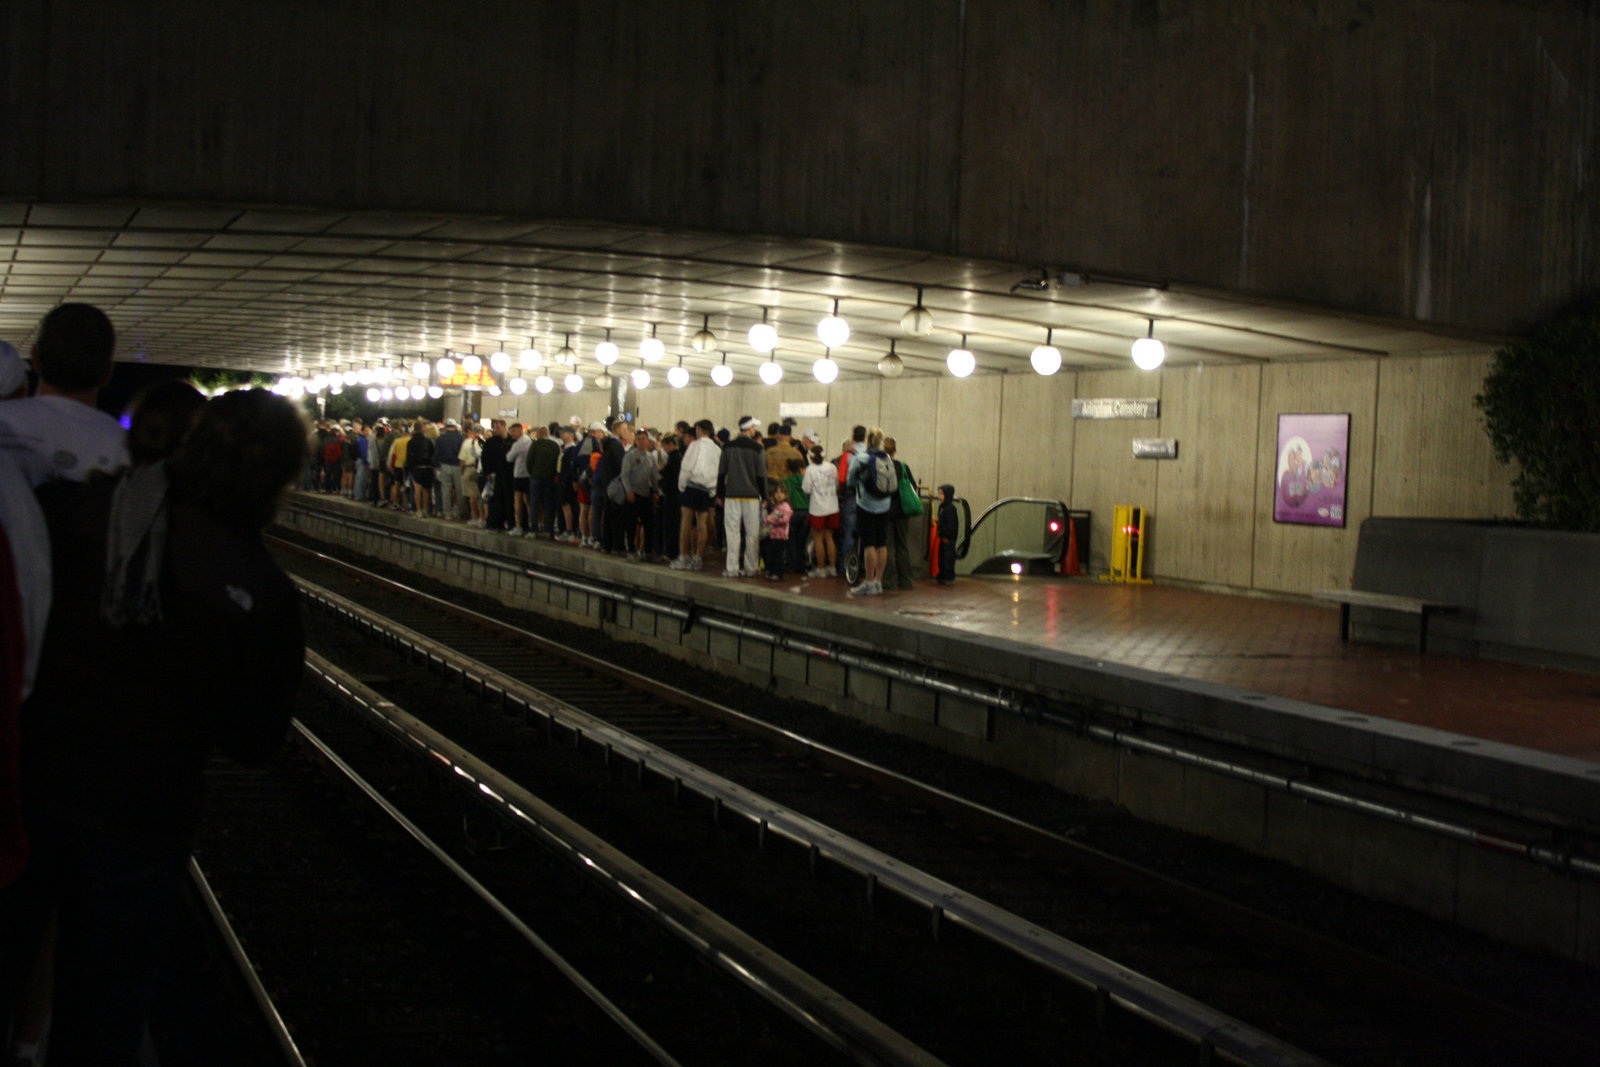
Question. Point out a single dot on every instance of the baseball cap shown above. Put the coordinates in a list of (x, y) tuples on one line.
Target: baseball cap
[(451, 424), (597, 425), (747, 422)]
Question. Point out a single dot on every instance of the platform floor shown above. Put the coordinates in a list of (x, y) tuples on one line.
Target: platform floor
[(1271, 646)]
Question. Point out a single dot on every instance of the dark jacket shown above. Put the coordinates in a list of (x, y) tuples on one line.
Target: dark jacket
[(419, 453), (493, 462), (121, 721), (742, 471)]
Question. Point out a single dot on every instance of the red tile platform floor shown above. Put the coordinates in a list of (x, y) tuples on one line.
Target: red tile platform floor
[(1270, 646)]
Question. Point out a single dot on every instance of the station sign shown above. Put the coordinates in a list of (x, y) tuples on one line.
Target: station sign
[(482, 380), (1155, 448), (1117, 408)]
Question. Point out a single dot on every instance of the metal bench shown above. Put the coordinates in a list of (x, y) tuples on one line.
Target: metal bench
[(1409, 605)]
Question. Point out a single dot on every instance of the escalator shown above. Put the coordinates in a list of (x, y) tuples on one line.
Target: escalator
[(1017, 535)]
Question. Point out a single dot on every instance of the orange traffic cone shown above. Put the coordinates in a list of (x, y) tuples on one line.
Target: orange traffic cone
[(1069, 563)]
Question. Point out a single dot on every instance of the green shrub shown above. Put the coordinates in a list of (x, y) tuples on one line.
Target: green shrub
[(1541, 406)]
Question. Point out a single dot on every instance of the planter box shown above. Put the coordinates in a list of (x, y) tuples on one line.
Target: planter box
[(1527, 595)]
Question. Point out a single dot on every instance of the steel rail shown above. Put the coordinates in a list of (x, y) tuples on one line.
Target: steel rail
[(823, 1011), (1210, 1031), (270, 1016), (1564, 860)]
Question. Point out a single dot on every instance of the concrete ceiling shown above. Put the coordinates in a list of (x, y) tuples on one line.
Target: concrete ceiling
[(310, 291)]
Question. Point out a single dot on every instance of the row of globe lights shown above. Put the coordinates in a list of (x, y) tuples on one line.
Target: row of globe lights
[(832, 331)]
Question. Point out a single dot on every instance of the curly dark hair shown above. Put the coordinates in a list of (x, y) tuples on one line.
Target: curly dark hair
[(160, 418), (246, 446)]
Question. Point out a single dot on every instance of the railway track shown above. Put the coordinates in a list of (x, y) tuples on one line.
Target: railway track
[(1338, 1003)]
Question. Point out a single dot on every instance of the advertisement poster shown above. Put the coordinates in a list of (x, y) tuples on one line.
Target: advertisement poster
[(1310, 487)]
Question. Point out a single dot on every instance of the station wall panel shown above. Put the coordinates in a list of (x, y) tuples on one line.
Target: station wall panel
[(1104, 472), (1036, 432)]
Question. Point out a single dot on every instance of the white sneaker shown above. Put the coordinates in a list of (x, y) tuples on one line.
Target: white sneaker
[(857, 590), (697, 564), (875, 589), (733, 574)]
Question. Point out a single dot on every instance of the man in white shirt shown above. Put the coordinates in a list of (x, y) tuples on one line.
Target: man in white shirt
[(58, 433), (518, 457)]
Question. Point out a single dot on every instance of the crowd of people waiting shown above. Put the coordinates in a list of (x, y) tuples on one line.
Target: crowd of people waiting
[(143, 626), (771, 503)]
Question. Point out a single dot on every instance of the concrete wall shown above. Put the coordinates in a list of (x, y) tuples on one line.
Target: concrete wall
[(1417, 449), (1371, 154)]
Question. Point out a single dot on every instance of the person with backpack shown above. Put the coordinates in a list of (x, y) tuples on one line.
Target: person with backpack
[(873, 479), (905, 497)]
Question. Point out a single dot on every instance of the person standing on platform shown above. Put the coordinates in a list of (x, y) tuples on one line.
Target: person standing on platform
[(400, 497), (471, 487), (949, 529), (419, 464), (496, 474), (854, 447), (780, 453), (697, 483), (518, 458), (382, 440), (173, 633), (447, 451), (611, 495), (872, 512), (567, 485), (641, 481), (800, 515), (898, 571), (775, 544), (821, 484), (543, 458), (742, 486), (668, 518)]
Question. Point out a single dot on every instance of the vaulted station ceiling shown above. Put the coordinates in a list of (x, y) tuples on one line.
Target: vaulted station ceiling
[(303, 292)]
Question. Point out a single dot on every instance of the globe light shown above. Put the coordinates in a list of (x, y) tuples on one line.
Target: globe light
[(606, 352), (722, 374), (317, 384), (573, 382), (518, 386), (641, 378), (651, 349), (763, 338), (294, 388), (373, 394), (705, 341), (472, 365), (402, 393), (420, 370), (565, 356), (493, 390), (365, 376), (825, 370), (1046, 359), (350, 377), (1149, 353), (445, 366), (602, 380), (335, 386), (771, 372), (531, 359), (435, 391), (891, 365), (386, 393), (833, 331), (500, 362), (678, 377), (544, 383), (961, 361), (918, 320)]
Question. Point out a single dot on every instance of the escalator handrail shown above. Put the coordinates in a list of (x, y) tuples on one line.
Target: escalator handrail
[(966, 541)]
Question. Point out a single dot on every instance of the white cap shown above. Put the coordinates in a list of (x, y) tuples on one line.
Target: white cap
[(597, 425), (747, 422)]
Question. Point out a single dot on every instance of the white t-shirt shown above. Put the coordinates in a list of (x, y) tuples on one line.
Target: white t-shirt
[(53, 438), (821, 485)]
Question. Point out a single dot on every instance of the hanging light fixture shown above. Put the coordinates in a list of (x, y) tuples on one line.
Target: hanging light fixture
[(833, 331), (606, 352), (335, 386), (565, 356), (651, 349), (1149, 353), (705, 342), (493, 390), (365, 376), (386, 393), (544, 383), (472, 365), (373, 394), (918, 320), (531, 358), (401, 392), (722, 374), (602, 380), (891, 365), (350, 377), (1046, 359), (420, 370), (961, 361), (573, 382), (771, 371), (640, 378), (763, 338), (678, 376), (317, 384), (825, 370), (435, 391), (518, 386), (500, 362), (445, 366)]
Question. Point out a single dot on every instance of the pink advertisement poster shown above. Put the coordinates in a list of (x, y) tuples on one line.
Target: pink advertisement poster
[(1310, 487)]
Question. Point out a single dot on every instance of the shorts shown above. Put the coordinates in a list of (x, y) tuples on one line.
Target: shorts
[(825, 522), (695, 499), (423, 477), (519, 485), (469, 484), (583, 498), (872, 530)]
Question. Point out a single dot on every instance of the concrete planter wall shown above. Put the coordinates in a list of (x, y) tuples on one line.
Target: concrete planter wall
[(1527, 595)]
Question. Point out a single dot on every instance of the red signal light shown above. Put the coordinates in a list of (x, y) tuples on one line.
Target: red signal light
[(1055, 527)]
